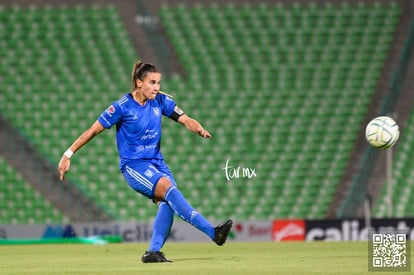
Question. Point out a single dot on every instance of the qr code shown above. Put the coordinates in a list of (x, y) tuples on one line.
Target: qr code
[(389, 251)]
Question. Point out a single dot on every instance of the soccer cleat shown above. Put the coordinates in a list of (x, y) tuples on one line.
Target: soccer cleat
[(154, 257), (222, 231)]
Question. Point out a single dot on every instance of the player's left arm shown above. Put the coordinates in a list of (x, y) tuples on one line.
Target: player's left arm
[(193, 126), (189, 123)]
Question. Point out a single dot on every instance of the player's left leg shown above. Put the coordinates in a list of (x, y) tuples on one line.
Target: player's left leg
[(178, 203), (175, 199)]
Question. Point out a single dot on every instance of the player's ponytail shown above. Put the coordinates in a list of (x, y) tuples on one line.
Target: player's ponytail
[(136, 69), (140, 70)]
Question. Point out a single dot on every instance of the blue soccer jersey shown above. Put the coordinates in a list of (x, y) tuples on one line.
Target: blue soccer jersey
[(138, 127)]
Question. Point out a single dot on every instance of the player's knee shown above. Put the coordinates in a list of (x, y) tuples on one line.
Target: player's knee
[(162, 186)]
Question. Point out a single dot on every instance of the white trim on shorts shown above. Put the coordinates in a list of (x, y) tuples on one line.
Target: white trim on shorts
[(138, 177)]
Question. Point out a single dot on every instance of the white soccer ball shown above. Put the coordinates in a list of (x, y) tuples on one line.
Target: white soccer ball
[(382, 132)]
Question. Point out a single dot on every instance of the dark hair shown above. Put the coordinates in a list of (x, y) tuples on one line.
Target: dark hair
[(140, 71)]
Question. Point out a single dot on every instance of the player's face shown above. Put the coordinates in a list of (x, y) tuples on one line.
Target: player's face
[(150, 86)]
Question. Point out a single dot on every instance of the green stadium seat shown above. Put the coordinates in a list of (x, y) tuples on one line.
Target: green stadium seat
[(403, 176), (308, 77), (18, 200), (340, 79)]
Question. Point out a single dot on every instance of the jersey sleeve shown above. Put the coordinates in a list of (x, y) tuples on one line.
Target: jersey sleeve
[(168, 104), (111, 115)]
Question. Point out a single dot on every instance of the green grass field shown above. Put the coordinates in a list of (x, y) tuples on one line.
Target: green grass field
[(189, 258)]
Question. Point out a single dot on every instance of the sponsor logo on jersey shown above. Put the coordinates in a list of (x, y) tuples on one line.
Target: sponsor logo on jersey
[(149, 136)]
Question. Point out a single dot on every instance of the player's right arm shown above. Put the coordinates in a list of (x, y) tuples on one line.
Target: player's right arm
[(84, 138)]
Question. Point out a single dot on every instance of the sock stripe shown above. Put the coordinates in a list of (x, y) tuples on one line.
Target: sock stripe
[(185, 211), (168, 191)]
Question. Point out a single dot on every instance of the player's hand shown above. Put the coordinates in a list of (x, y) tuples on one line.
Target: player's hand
[(63, 167), (203, 133)]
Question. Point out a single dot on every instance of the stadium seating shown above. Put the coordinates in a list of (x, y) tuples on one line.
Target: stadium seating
[(294, 119), (20, 203), (61, 67), (402, 175), (282, 92)]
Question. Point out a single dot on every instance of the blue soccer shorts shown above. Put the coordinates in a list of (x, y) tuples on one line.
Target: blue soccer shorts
[(143, 176)]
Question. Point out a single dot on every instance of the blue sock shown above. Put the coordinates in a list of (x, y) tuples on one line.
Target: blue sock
[(186, 212), (161, 227)]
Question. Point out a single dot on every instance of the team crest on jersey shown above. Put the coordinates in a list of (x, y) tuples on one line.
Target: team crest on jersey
[(156, 111)]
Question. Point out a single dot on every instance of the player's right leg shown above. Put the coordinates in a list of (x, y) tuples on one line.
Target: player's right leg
[(142, 177), (154, 184), (160, 230)]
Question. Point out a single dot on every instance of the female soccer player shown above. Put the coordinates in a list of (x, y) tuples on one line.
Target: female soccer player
[(137, 116)]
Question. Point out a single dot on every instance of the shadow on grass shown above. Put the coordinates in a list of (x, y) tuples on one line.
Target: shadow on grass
[(193, 259), (207, 259)]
